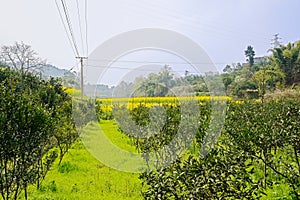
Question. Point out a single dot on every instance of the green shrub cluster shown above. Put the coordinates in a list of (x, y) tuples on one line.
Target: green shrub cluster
[(258, 151), (35, 128)]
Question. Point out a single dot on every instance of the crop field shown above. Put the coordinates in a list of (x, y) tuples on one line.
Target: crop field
[(252, 152), (134, 102)]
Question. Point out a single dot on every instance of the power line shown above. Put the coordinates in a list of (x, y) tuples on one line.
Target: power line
[(134, 69), (153, 62), (197, 25), (65, 9), (86, 27), (65, 28), (75, 66), (72, 40), (80, 29)]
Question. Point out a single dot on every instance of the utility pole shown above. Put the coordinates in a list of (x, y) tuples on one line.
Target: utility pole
[(81, 74)]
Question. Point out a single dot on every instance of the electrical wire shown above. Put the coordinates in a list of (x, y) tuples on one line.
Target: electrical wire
[(86, 27), (152, 62), (136, 69), (65, 28), (69, 30), (195, 24), (65, 9), (80, 29)]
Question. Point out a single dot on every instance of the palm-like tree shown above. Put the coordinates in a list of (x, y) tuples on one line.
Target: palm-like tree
[(250, 53)]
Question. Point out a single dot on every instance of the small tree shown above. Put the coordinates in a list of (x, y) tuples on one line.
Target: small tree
[(227, 69), (265, 78)]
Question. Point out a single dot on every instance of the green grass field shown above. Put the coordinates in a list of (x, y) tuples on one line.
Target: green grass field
[(81, 176)]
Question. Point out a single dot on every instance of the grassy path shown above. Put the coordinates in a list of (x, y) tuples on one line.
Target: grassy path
[(81, 176)]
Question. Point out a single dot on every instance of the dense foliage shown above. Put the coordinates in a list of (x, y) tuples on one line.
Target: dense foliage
[(269, 134), (35, 122), (259, 149)]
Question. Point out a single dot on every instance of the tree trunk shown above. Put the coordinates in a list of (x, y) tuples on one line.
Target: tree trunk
[(265, 168), (297, 158)]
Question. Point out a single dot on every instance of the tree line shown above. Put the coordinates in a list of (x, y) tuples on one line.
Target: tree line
[(278, 71), (253, 79)]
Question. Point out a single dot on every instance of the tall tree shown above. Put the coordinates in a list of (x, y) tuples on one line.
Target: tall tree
[(250, 53), (227, 69)]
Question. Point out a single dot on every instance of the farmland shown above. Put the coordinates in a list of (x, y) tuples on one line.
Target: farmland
[(57, 143), (257, 162)]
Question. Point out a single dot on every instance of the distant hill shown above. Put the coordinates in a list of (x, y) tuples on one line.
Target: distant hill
[(70, 80), (48, 71)]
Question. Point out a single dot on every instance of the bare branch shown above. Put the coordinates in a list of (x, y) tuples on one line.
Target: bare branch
[(21, 57)]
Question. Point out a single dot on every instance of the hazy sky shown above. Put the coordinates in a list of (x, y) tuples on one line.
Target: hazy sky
[(223, 28)]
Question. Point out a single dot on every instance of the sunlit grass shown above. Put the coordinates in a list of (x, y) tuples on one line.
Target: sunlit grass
[(81, 176)]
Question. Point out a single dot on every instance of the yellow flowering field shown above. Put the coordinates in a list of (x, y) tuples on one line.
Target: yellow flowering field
[(133, 102)]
